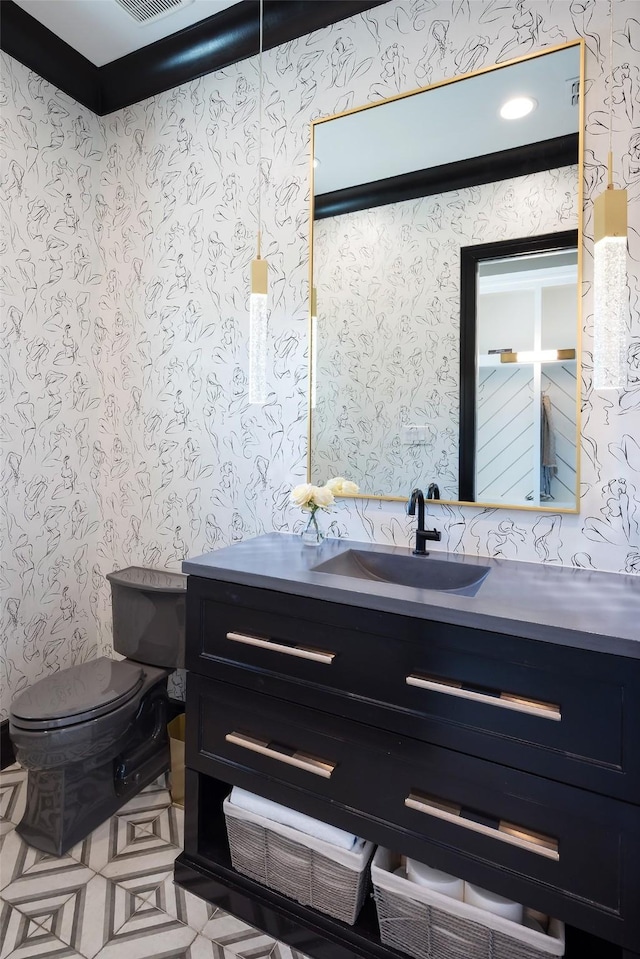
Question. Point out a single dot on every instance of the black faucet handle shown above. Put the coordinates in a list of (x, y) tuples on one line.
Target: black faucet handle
[(422, 537)]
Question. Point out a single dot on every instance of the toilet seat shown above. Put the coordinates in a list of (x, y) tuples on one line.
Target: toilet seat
[(77, 694)]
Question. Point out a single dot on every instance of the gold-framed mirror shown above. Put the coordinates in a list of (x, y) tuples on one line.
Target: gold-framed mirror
[(398, 190)]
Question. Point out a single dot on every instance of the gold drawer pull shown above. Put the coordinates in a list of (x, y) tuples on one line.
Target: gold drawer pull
[(521, 704), (504, 831), (293, 758), (302, 652)]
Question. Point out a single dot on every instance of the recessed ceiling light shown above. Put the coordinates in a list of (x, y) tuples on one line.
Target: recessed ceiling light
[(517, 107)]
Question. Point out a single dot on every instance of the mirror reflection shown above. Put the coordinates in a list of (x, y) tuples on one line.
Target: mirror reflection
[(520, 299), (391, 406)]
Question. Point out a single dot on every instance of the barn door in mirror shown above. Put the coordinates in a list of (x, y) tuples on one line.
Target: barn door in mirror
[(519, 415)]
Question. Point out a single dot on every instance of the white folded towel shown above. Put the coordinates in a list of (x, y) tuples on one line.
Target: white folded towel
[(296, 820)]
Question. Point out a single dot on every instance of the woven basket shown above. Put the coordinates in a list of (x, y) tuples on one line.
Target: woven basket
[(427, 925), (309, 870)]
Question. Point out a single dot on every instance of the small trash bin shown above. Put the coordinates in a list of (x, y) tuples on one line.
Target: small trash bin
[(176, 775)]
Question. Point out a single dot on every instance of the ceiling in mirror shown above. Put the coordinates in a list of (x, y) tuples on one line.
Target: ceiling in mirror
[(400, 189), (456, 121)]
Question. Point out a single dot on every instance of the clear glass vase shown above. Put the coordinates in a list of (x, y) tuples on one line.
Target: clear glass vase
[(313, 534)]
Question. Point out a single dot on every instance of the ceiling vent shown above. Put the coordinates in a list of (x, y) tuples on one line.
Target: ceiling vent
[(146, 11)]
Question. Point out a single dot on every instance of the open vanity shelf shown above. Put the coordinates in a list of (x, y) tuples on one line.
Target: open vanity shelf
[(208, 873), (533, 738)]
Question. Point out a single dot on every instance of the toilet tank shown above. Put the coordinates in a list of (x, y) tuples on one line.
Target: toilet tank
[(148, 615)]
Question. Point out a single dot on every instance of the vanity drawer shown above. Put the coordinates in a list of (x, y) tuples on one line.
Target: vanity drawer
[(231, 728), (552, 710), (475, 817)]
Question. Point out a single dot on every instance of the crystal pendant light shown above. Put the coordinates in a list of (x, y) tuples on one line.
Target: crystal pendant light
[(258, 314), (610, 271), (610, 289), (258, 320), (314, 346)]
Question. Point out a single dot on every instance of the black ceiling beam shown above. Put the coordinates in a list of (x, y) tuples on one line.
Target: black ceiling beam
[(212, 44), (216, 43), (518, 161), (27, 40)]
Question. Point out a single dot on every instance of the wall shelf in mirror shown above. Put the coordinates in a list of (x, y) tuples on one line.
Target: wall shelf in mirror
[(544, 356), (538, 356), (390, 385)]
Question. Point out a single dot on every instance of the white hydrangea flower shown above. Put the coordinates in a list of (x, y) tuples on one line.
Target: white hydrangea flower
[(311, 498), (323, 497), (349, 488), (340, 486), (301, 495)]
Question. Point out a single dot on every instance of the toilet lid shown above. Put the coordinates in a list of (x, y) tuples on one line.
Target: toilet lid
[(76, 694)]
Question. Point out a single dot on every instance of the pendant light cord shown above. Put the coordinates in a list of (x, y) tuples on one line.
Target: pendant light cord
[(610, 156), (260, 130)]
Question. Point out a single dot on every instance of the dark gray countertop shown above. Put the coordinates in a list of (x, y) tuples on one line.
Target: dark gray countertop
[(583, 608)]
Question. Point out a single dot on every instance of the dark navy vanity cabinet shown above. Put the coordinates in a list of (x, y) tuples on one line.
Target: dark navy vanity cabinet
[(511, 762)]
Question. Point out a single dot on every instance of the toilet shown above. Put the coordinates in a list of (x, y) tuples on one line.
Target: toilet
[(93, 735)]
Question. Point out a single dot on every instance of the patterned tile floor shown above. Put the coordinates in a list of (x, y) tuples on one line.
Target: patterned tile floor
[(112, 896)]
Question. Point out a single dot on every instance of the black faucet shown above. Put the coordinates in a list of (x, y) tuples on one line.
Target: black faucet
[(433, 492), (422, 534)]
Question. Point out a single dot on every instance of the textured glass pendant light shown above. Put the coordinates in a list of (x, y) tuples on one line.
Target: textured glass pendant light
[(258, 320), (610, 271), (314, 346), (258, 315)]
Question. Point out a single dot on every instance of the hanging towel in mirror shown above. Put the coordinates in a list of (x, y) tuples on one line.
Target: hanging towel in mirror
[(548, 466)]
